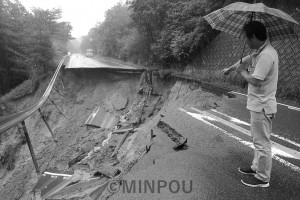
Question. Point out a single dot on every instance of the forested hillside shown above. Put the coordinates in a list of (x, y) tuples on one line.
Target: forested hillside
[(30, 42), (160, 32), (152, 32), (148, 32)]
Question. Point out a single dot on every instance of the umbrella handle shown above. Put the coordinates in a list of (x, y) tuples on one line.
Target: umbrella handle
[(252, 14), (243, 52)]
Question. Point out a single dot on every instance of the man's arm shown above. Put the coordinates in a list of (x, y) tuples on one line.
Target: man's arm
[(249, 78), (262, 68), (245, 60)]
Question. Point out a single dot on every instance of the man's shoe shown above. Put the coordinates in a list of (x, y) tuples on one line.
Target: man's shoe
[(252, 181), (246, 170)]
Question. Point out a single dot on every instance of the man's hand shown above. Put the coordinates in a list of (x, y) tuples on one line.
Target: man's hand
[(226, 71), (248, 77), (240, 68)]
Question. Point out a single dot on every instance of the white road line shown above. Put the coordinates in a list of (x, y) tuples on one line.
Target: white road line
[(235, 120), (284, 162), (288, 106), (287, 151)]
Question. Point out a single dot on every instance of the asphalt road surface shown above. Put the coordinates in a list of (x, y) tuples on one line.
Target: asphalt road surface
[(80, 61), (218, 143)]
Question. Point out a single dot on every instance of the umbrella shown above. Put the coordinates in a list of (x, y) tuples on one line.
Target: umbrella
[(232, 18)]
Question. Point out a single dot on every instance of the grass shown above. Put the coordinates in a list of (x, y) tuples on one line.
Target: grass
[(8, 155), (25, 88), (8, 158), (285, 93)]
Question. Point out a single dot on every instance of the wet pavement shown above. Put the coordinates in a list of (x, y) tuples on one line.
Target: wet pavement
[(286, 123), (217, 146), (78, 61)]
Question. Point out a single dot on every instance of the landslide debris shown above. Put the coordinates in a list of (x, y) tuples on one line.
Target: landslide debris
[(87, 150), (81, 148)]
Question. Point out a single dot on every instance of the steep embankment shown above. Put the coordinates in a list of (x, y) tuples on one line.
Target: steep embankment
[(82, 92), (86, 150)]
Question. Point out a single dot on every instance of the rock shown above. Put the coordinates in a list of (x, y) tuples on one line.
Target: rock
[(109, 171), (119, 101)]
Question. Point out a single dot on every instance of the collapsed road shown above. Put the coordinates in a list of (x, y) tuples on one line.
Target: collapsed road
[(136, 128)]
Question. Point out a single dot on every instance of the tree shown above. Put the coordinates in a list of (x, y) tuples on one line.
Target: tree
[(109, 34), (173, 30), (11, 44), (185, 32), (28, 40)]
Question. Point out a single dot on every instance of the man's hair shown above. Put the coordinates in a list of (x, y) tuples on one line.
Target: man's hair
[(257, 29)]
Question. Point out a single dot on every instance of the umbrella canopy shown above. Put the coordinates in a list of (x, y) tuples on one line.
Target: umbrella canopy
[(232, 18)]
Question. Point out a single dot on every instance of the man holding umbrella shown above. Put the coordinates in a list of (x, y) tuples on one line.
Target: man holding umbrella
[(259, 24), (262, 80)]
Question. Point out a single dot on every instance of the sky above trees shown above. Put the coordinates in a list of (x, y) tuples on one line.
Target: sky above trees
[(83, 15)]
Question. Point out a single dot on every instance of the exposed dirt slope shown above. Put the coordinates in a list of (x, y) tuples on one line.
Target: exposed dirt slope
[(82, 92)]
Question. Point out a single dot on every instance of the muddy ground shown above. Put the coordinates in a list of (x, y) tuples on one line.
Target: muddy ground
[(79, 93)]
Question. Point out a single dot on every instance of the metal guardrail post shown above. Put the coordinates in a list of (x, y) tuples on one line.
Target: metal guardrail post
[(30, 147), (48, 126), (58, 91), (57, 107), (11, 120)]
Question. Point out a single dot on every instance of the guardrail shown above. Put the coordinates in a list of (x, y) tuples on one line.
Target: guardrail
[(11, 120)]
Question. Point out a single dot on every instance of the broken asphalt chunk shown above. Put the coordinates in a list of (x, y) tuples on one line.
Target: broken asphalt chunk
[(176, 137), (109, 171), (51, 182), (181, 143), (77, 159), (101, 119)]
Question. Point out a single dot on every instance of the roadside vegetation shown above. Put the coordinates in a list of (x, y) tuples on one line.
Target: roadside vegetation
[(165, 32), (30, 44), (149, 32)]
